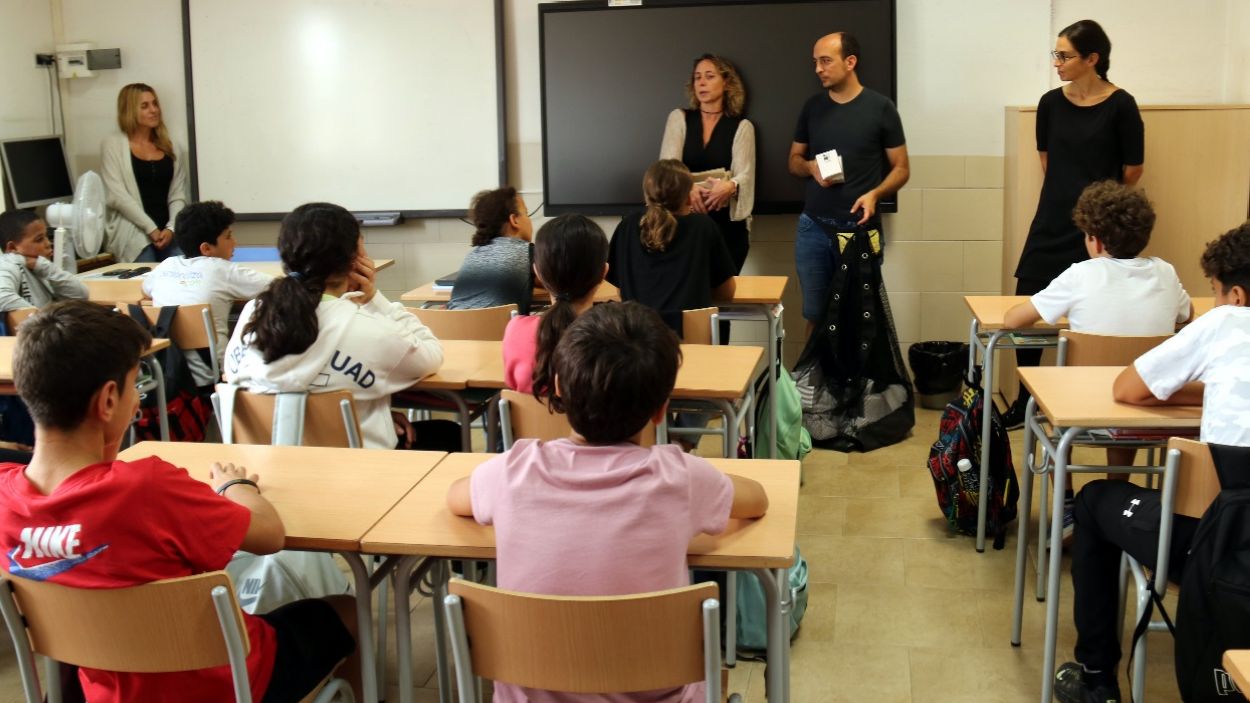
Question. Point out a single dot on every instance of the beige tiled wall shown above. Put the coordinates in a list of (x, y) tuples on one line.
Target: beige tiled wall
[(945, 242)]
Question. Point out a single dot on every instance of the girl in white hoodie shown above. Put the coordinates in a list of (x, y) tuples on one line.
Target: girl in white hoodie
[(325, 327)]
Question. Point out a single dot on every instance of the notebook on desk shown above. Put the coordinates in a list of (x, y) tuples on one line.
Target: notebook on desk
[(446, 282)]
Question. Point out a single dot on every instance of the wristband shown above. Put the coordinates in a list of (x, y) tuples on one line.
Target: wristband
[(221, 491)]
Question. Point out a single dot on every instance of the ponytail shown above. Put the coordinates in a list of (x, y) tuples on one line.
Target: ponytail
[(665, 188), (570, 252), (317, 242), (489, 212)]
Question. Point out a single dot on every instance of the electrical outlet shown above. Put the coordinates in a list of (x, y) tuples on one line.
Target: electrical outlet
[(44, 59)]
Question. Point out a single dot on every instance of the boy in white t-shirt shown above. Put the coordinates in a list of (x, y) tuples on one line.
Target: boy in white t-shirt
[(205, 274), (1207, 363), (596, 514)]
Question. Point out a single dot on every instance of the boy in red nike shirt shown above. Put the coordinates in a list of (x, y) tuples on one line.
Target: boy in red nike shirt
[(79, 517)]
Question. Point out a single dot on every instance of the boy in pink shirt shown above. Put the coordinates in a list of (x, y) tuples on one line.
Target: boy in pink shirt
[(597, 514)]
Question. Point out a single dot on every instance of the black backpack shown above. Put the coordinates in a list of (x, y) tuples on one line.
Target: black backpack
[(187, 407), (1213, 611)]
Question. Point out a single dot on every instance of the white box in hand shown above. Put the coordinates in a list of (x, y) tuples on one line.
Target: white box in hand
[(830, 165)]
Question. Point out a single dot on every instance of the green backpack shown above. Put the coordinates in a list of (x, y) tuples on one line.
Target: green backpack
[(793, 439), (753, 613)]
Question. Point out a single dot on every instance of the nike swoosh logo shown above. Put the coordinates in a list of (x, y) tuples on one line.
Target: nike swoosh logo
[(43, 572)]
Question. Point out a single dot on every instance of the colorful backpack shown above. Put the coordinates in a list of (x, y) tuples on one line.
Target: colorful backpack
[(753, 611), (958, 492)]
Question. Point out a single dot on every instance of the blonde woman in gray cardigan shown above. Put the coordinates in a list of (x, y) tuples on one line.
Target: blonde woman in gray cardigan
[(145, 178)]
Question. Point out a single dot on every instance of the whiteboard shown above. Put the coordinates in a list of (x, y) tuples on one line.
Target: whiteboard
[(371, 104)]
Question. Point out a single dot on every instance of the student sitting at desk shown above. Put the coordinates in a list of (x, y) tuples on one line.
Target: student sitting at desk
[(130, 523), (1115, 291), (325, 327), (596, 514), (667, 257), (27, 276), (497, 271), (205, 274), (570, 259), (1117, 516)]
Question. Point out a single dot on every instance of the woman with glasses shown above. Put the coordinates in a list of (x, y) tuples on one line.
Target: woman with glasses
[(1087, 130)]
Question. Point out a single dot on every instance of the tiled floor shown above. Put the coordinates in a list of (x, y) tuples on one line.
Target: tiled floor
[(899, 610)]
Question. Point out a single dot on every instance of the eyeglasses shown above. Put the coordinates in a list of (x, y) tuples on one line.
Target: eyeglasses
[(1062, 57)]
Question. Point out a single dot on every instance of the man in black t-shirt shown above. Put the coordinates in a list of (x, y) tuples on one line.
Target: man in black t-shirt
[(864, 127)]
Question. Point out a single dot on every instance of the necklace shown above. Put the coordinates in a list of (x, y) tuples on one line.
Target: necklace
[(711, 113)]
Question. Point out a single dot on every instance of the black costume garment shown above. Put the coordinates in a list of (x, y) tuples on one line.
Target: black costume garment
[(717, 153), (856, 393), (1082, 145)]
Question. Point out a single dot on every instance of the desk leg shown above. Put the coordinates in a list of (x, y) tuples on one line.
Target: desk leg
[(439, 575), (987, 416), (401, 584), (364, 626), (973, 330), (774, 338), (729, 447), (161, 401), (1022, 523), (1060, 460), (775, 583)]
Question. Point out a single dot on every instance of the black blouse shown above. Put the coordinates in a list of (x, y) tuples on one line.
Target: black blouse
[(1083, 144), (153, 179), (718, 153)]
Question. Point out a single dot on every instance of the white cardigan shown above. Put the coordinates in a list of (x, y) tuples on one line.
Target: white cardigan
[(126, 225), (742, 169)]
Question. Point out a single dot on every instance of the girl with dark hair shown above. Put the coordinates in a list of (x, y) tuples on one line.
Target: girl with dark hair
[(1087, 130), (497, 270), (668, 257), (325, 327), (570, 260)]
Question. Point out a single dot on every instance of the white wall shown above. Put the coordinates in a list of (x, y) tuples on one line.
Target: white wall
[(24, 109), (1167, 52)]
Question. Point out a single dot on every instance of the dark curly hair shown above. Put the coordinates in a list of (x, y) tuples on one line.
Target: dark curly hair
[(1227, 259), (1119, 216), (489, 212), (201, 223)]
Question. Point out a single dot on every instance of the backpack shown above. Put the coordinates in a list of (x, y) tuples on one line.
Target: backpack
[(186, 406), (753, 611), (1213, 611), (958, 492), (793, 439)]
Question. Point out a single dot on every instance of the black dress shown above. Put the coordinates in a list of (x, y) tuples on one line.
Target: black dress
[(1083, 145), (718, 153)]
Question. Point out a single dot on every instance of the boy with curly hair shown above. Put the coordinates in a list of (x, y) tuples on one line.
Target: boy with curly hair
[(1207, 363)]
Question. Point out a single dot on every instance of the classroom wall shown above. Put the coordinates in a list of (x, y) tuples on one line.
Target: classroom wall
[(960, 62), (24, 110)]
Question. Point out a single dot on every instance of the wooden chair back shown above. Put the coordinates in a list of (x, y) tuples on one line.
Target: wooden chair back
[(531, 419), (1197, 485), (696, 325), (13, 318), (1084, 349), (168, 625), (252, 422), (480, 324), (586, 644), (189, 330)]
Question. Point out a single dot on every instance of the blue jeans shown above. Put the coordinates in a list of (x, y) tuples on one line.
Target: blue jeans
[(150, 254), (816, 258)]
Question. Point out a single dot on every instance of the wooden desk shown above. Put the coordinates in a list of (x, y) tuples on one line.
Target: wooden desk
[(130, 290), (1073, 399), (1237, 664), (421, 524), (429, 294), (9, 344), (989, 310), (750, 290), (327, 499)]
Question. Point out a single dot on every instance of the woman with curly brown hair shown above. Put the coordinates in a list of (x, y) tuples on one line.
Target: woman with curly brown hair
[(711, 135)]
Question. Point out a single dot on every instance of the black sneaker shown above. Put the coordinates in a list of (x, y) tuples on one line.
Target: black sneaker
[(1013, 419), (1070, 687)]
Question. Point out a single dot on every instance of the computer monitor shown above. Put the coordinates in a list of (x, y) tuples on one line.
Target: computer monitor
[(36, 170)]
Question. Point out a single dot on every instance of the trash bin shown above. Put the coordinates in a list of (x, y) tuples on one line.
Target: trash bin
[(938, 369)]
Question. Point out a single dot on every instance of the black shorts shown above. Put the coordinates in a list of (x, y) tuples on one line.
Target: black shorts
[(311, 642)]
